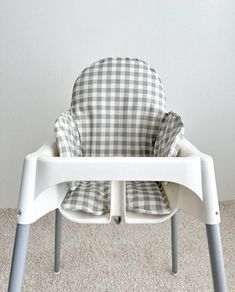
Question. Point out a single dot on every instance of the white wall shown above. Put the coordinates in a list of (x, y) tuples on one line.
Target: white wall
[(46, 44)]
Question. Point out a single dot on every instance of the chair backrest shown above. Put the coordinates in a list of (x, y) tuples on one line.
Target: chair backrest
[(118, 105)]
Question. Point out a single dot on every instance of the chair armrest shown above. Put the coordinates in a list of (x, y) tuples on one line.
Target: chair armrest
[(209, 189), (47, 149), (188, 149)]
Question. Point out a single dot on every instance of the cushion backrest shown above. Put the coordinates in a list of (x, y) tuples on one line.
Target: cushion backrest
[(117, 106)]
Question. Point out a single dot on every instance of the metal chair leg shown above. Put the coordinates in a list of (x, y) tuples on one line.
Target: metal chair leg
[(19, 258), (58, 223), (216, 258), (174, 243)]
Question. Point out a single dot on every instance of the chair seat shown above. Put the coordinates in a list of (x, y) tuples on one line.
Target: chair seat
[(94, 197)]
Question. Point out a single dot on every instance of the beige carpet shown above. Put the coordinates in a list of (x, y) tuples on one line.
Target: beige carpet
[(118, 257)]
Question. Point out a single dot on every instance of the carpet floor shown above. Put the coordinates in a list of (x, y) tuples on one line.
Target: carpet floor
[(118, 257)]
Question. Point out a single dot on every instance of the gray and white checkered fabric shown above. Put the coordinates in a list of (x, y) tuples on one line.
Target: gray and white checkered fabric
[(168, 140), (147, 198), (118, 109), (90, 196), (68, 139), (118, 105), (94, 197)]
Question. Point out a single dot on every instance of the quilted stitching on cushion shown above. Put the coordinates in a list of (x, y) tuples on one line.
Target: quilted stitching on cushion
[(118, 109)]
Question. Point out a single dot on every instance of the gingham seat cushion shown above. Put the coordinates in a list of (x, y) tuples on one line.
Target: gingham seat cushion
[(118, 109)]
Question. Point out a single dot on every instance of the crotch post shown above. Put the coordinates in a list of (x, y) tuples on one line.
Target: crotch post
[(118, 200)]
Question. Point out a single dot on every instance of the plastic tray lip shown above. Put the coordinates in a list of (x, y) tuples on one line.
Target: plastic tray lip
[(127, 218), (137, 218), (52, 170), (114, 159), (88, 218)]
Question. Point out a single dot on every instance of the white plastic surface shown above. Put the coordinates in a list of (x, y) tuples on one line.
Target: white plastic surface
[(192, 187)]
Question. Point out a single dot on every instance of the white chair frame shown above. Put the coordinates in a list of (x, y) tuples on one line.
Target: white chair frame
[(192, 188)]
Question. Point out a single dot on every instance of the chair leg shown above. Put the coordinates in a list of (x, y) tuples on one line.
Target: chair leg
[(19, 258), (216, 258), (58, 223), (174, 243)]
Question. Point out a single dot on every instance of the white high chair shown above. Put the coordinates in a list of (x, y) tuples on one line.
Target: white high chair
[(191, 187)]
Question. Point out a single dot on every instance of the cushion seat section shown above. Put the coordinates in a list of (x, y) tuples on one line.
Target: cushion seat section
[(94, 197)]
